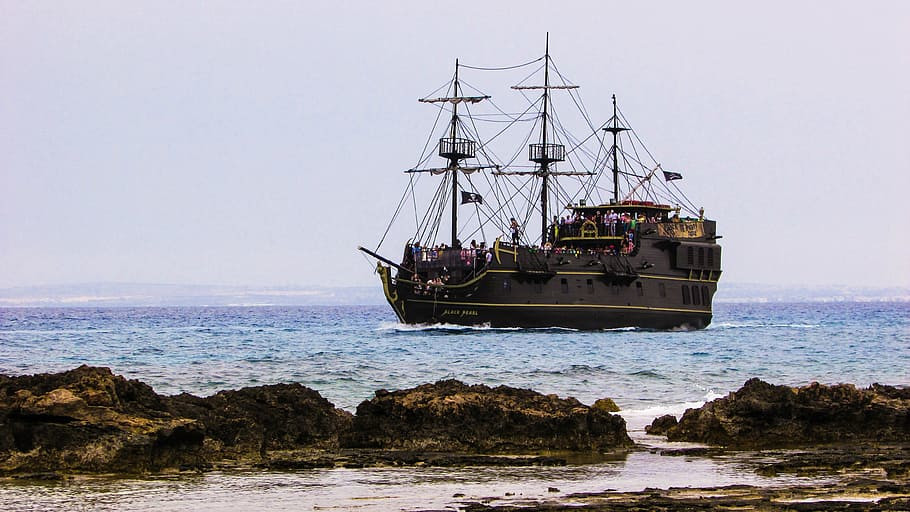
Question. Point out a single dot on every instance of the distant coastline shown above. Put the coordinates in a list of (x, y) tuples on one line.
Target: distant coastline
[(168, 295)]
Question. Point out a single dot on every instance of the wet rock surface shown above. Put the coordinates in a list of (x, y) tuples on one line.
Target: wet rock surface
[(89, 420), (450, 416), (661, 425), (762, 415), (888, 460), (859, 494), (250, 422)]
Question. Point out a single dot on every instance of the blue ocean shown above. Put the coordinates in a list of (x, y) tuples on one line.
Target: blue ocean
[(348, 352)]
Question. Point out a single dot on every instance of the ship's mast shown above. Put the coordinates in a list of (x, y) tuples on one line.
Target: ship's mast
[(453, 164), (546, 151), (454, 148), (615, 129), (545, 164)]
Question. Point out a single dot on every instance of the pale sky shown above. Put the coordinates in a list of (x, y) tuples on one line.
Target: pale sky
[(259, 143)]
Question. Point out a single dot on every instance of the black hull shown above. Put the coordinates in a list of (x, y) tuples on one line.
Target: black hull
[(526, 288)]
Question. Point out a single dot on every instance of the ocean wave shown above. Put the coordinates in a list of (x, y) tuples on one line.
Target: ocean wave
[(758, 325), (45, 332), (648, 373), (575, 370), (637, 416)]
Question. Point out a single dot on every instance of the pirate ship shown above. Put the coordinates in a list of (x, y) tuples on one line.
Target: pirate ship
[(618, 244)]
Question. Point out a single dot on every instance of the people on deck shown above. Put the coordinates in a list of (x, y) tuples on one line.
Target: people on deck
[(516, 230)]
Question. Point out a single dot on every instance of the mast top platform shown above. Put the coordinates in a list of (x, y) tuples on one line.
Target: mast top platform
[(546, 153)]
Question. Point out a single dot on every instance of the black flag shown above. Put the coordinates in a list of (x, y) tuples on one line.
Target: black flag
[(470, 197), (670, 176)]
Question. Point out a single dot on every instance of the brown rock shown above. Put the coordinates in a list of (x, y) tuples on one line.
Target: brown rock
[(661, 425), (606, 405), (251, 421), (88, 419), (450, 416), (762, 415)]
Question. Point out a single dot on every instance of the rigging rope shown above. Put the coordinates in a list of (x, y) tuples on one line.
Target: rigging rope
[(395, 215), (502, 68), (519, 197)]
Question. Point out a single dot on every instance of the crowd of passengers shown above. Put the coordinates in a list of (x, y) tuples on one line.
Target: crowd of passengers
[(608, 223), (470, 259), (476, 257)]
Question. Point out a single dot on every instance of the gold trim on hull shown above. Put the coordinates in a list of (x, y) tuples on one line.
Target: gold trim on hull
[(592, 306), (391, 295)]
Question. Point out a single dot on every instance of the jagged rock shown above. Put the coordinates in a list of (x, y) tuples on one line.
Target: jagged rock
[(88, 419), (252, 421), (762, 415), (450, 416), (660, 425)]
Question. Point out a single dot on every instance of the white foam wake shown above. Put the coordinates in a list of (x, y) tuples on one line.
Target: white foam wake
[(400, 327)]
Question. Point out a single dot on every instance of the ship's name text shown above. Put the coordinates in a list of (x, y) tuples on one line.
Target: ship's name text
[(460, 312)]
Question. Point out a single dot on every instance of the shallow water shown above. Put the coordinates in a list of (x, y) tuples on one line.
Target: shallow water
[(348, 352)]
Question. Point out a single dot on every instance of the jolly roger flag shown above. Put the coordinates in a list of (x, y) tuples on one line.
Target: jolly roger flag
[(670, 176), (470, 197)]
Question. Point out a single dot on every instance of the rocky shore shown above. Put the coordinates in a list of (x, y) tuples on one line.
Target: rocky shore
[(855, 442), (762, 415), (89, 420), (858, 494)]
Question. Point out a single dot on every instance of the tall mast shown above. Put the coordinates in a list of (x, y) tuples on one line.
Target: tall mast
[(453, 163), (545, 164), (545, 152), (615, 129), (454, 148)]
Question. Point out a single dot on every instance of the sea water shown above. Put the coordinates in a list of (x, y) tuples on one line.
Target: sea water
[(346, 353)]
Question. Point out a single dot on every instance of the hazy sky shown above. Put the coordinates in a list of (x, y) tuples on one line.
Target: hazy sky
[(258, 143)]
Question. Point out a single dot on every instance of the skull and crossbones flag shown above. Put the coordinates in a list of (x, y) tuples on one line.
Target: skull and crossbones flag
[(470, 197)]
